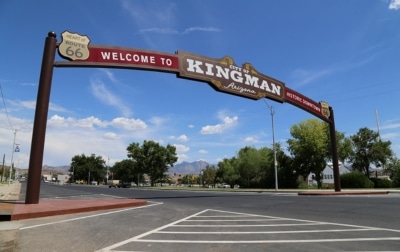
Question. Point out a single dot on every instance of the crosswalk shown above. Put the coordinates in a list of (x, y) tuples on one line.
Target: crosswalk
[(223, 227)]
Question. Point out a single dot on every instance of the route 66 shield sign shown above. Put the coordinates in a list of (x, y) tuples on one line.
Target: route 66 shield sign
[(74, 46), (325, 109)]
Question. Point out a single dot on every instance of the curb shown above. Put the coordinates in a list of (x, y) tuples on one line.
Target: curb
[(52, 207), (326, 193)]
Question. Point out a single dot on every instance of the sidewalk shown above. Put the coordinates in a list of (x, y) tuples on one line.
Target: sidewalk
[(12, 208), (10, 192)]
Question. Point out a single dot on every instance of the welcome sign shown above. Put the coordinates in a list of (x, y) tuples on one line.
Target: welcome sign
[(221, 74), (225, 76)]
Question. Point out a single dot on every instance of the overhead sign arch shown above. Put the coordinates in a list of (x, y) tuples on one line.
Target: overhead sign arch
[(221, 74)]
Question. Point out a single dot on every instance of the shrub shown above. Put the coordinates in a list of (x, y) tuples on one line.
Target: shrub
[(355, 180), (328, 186), (381, 183), (396, 178), (303, 185)]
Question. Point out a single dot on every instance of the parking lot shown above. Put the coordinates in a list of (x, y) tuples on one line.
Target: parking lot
[(214, 228)]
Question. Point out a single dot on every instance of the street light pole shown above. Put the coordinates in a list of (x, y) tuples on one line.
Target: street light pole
[(108, 167), (273, 144), (12, 158)]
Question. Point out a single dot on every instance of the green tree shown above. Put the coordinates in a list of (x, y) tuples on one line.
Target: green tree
[(152, 158), (287, 175), (344, 147), (6, 173), (227, 171), (188, 179), (127, 170), (88, 167), (250, 164), (309, 148), (267, 166), (393, 169), (369, 149), (250, 168), (209, 175)]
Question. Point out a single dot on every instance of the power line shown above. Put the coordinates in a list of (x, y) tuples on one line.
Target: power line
[(5, 108)]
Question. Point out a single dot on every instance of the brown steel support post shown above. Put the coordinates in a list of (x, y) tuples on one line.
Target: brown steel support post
[(39, 125), (332, 132)]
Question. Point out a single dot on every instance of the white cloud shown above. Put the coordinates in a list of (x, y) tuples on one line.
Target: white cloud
[(191, 126), (110, 135), (29, 84), (394, 5), (201, 29), (55, 108), (183, 138), (181, 148), (390, 126), (203, 151), (28, 104), (303, 77), (180, 152), (12, 123), (158, 30), (228, 122), (147, 15), (390, 136), (128, 124), (57, 121), (157, 120), (61, 146), (100, 91), (110, 75), (89, 122), (250, 140), (32, 105), (181, 157), (172, 31)]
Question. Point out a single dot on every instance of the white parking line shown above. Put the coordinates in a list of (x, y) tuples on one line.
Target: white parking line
[(270, 241), (268, 232), (180, 231), (91, 216), (144, 234)]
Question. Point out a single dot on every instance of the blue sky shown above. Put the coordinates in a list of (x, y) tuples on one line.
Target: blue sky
[(343, 52)]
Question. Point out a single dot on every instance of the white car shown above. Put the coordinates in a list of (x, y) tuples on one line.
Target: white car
[(224, 185)]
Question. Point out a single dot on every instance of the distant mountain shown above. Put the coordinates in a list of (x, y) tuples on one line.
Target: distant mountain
[(181, 168), (60, 169), (188, 168), (45, 170)]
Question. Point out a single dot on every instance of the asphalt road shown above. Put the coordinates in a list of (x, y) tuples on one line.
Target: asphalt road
[(217, 221)]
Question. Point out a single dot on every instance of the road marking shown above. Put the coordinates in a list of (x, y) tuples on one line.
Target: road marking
[(93, 215), (180, 231), (268, 232), (147, 233), (269, 241)]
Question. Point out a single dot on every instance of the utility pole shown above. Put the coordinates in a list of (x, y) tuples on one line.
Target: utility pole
[(377, 124), (12, 158), (273, 144), (3, 168)]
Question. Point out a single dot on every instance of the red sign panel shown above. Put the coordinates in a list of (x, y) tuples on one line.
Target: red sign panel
[(304, 103), (128, 58)]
